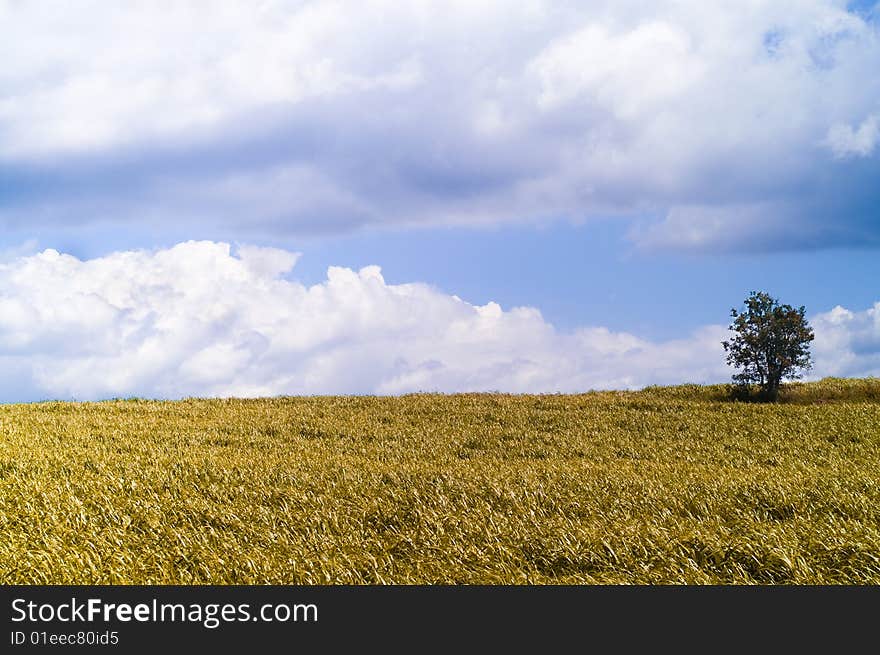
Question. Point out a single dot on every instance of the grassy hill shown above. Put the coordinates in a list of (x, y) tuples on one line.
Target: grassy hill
[(664, 485)]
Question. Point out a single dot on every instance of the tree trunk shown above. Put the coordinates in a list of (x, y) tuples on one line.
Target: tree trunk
[(772, 391)]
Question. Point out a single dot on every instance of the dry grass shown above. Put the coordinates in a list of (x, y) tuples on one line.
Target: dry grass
[(667, 485)]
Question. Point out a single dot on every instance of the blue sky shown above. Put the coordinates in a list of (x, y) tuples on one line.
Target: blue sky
[(625, 171), (590, 274)]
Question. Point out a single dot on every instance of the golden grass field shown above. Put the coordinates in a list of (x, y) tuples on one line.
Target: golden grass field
[(666, 485)]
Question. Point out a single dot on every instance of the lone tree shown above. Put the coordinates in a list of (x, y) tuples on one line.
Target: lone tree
[(772, 342)]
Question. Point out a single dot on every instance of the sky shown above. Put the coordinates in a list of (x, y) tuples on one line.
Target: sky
[(323, 197)]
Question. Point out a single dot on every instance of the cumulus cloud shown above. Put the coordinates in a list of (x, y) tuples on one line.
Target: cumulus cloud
[(200, 319), (848, 343), (260, 118)]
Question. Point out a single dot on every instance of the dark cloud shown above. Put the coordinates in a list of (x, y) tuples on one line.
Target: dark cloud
[(750, 129)]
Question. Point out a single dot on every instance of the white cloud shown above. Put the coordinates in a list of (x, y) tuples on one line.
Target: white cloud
[(303, 115), (199, 319), (628, 73), (845, 141), (98, 75), (848, 343)]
